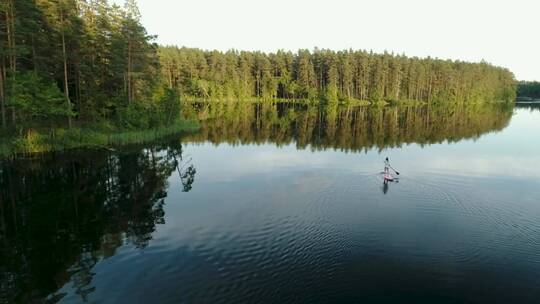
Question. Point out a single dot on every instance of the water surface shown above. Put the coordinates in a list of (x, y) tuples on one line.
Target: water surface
[(285, 203)]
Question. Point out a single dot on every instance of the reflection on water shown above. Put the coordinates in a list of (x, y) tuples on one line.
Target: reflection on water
[(386, 185), (533, 106), (348, 128), (199, 223), (61, 214)]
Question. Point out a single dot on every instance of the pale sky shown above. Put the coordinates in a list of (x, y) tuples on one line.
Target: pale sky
[(505, 33)]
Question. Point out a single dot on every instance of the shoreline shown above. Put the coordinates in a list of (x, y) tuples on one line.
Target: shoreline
[(96, 136), (35, 142)]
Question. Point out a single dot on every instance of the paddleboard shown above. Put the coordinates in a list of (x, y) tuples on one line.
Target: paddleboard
[(388, 177)]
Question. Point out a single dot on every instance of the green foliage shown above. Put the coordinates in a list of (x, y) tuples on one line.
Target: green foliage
[(34, 97), (530, 89), (162, 109), (98, 56), (169, 106), (331, 76), (92, 136), (94, 62), (135, 115), (330, 96)]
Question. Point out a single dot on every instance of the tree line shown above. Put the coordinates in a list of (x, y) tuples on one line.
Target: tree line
[(78, 61), (331, 76), (528, 89), (83, 60)]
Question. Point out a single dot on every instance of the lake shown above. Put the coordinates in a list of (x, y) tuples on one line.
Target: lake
[(278, 203)]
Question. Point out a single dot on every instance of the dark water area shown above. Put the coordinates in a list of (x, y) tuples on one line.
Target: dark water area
[(285, 204)]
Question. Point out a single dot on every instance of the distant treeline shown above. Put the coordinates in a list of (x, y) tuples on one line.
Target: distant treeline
[(331, 76), (530, 89)]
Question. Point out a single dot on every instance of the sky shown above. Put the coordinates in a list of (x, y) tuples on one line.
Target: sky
[(504, 33)]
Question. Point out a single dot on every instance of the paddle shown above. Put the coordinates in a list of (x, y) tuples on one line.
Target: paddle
[(394, 170)]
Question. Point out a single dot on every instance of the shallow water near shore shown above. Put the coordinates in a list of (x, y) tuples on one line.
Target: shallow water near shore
[(285, 203)]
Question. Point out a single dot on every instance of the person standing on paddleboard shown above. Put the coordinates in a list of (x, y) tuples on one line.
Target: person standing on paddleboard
[(386, 166)]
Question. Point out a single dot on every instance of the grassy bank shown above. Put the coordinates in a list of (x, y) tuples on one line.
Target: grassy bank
[(93, 136)]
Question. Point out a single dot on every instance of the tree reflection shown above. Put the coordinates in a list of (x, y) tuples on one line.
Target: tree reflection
[(61, 214), (186, 170), (346, 128), (532, 106)]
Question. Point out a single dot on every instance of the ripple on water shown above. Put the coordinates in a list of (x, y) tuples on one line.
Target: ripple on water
[(278, 246), (494, 224)]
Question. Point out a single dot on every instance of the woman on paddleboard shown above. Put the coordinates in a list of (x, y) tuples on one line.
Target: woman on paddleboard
[(386, 166)]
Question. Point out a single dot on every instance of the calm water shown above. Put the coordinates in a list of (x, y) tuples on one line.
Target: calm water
[(283, 204)]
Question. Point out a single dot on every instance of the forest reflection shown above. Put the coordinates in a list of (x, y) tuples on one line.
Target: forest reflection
[(532, 106), (352, 128), (61, 214)]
